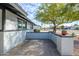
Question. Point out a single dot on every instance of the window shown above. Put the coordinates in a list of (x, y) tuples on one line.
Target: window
[(24, 25), (19, 24)]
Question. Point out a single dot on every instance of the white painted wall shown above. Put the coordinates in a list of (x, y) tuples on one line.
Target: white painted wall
[(67, 46)]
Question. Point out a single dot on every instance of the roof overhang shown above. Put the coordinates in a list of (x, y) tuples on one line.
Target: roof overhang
[(18, 7), (30, 21), (15, 8)]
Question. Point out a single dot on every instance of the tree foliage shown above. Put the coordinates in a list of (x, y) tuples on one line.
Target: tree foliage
[(57, 13)]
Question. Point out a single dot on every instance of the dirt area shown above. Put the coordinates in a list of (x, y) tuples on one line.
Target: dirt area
[(34, 48)]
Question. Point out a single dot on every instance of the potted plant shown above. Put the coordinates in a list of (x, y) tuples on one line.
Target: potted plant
[(64, 32)]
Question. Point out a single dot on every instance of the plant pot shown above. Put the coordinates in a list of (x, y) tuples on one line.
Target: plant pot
[(64, 32)]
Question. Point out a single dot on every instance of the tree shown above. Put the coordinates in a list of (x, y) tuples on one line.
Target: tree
[(71, 12), (57, 13)]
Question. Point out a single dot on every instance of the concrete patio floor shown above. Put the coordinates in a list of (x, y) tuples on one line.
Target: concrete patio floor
[(34, 48)]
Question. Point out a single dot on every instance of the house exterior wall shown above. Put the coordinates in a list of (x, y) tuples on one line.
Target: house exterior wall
[(10, 24), (12, 39), (15, 36), (18, 8), (0, 19), (1, 42), (29, 25), (1, 33), (11, 35), (36, 27), (11, 21)]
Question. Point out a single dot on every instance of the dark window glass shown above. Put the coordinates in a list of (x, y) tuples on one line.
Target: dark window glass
[(22, 24), (19, 24)]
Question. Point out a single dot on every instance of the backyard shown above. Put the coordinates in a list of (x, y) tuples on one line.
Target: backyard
[(43, 47), (34, 48), (26, 34), (76, 40)]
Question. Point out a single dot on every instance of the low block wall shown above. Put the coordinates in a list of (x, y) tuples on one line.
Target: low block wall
[(37, 35), (11, 39), (64, 43)]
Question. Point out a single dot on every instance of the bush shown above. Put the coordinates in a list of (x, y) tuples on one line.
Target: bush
[(62, 27), (51, 31), (36, 30), (73, 34), (77, 28)]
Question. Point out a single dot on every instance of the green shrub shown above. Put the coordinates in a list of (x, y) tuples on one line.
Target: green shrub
[(77, 28), (62, 27), (73, 34), (36, 30)]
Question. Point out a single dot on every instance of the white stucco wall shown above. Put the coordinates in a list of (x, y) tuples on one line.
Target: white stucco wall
[(64, 45), (67, 46)]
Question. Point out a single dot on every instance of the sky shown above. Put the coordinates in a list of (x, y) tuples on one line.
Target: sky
[(31, 8)]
